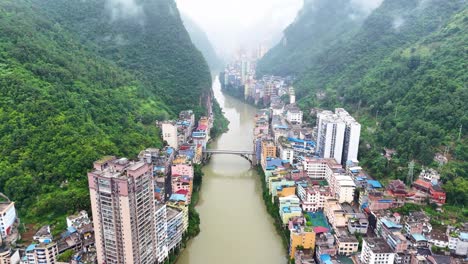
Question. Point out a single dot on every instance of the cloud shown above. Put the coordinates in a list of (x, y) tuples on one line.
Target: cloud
[(366, 6), (124, 8), (398, 22), (231, 24)]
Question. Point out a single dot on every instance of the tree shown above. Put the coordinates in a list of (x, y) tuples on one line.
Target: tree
[(66, 256)]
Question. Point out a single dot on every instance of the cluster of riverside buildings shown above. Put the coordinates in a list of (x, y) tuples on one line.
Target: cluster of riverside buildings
[(182, 134), (327, 201), (239, 77), (139, 207)]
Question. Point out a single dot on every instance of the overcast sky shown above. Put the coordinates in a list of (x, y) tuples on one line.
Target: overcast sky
[(231, 24)]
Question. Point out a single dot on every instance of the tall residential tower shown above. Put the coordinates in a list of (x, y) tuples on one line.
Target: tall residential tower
[(123, 211), (338, 135)]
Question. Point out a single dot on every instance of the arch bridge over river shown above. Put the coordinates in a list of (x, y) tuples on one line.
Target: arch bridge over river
[(249, 155)]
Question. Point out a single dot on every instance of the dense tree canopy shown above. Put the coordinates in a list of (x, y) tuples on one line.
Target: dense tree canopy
[(402, 72), (67, 98)]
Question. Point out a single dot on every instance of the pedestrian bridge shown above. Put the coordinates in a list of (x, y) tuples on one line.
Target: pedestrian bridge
[(246, 154)]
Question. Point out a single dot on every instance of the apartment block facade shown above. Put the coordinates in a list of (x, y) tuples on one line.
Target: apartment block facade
[(338, 135), (122, 202)]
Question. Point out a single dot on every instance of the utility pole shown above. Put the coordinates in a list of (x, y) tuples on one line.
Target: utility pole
[(409, 178), (459, 132)]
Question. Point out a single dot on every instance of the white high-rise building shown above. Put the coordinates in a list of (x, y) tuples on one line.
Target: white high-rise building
[(376, 251), (169, 133), (161, 232), (352, 135), (337, 135), (330, 135)]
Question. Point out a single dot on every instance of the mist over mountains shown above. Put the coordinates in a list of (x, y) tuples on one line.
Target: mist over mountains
[(84, 79), (401, 68)]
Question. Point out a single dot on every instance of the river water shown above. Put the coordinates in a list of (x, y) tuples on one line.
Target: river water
[(235, 226)]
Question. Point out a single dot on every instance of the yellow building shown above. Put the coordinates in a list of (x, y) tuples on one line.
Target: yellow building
[(335, 214), (301, 237), (268, 150), (284, 191)]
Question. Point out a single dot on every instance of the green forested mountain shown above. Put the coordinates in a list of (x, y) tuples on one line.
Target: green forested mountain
[(403, 73), (146, 37), (66, 100), (318, 25), (201, 41)]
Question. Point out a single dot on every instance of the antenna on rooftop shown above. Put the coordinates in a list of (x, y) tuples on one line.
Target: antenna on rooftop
[(459, 132), (409, 178), (441, 162)]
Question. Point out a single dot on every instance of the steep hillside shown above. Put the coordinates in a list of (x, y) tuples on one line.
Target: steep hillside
[(403, 73), (394, 24), (64, 102), (146, 37), (420, 94), (318, 25), (201, 41)]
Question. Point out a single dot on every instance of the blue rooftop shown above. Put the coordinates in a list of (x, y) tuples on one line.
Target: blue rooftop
[(31, 247), (295, 209), (178, 197), (71, 229), (374, 183), (390, 224), (277, 162), (464, 236), (418, 237), (169, 150), (325, 258)]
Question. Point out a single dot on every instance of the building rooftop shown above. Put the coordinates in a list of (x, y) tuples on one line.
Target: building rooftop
[(374, 183), (178, 197), (418, 237), (172, 212), (463, 236), (5, 205), (390, 224), (378, 245)]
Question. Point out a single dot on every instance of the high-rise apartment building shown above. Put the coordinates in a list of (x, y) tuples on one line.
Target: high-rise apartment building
[(43, 253), (376, 251), (123, 209), (169, 133), (161, 232), (351, 137), (337, 135)]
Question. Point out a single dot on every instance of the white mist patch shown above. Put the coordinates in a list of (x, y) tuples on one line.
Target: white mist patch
[(124, 8), (366, 6), (397, 23)]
